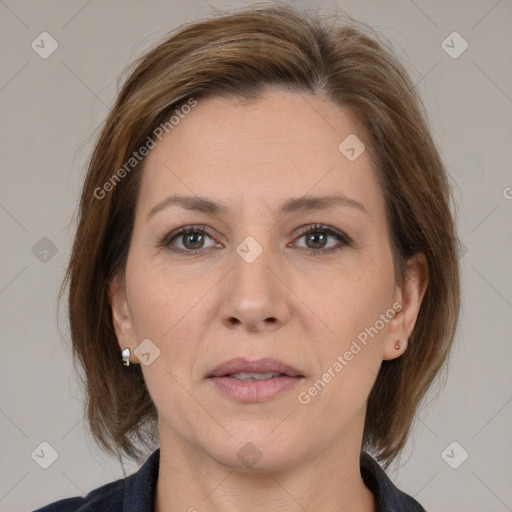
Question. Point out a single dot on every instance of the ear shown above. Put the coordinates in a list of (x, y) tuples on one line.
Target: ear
[(409, 295), (121, 317)]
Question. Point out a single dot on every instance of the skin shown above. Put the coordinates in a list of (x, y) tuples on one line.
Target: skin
[(305, 310)]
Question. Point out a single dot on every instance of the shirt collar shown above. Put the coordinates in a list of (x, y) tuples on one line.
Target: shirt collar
[(388, 498), (140, 487)]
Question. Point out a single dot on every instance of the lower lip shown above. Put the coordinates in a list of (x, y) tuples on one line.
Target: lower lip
[(254, 391)]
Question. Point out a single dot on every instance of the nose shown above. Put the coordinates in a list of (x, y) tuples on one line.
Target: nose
[(255, 297)]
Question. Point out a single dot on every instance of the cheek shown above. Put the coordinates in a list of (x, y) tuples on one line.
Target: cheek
[(351, 301), (357, 313), (164, 313), (163, 310)]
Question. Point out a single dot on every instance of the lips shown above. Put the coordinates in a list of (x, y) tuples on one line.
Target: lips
[(265, 365), (235, 379)]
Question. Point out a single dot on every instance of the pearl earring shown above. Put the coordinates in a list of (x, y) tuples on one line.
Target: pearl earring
[(397, 345), (126, 356)]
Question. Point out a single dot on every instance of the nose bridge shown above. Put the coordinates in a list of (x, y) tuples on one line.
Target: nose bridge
[(252, 259), (254, 296)]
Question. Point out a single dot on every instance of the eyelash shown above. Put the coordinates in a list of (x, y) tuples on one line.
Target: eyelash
[(343, 239)]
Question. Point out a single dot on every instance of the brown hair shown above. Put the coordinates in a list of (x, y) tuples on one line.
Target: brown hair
[(241, 53)]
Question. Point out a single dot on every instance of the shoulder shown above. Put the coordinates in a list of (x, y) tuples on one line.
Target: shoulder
[(107, 497), (134, 493), (388, 497)]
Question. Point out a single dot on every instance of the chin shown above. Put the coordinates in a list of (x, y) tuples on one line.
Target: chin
[(255, 450)]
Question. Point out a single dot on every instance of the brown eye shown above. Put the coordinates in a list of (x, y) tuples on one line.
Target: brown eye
[(317, 238), (190, 240)]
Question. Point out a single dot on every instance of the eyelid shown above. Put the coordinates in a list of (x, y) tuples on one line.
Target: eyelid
[(166, 240), (343, 239), (308, 228)]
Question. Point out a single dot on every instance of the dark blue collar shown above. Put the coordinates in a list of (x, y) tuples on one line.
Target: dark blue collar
[(136, 492), (388, 498)]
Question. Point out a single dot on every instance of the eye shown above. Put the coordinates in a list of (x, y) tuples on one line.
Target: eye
[(192, 239), (317, 237)]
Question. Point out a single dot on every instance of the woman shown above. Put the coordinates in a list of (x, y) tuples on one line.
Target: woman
[(264, 279)]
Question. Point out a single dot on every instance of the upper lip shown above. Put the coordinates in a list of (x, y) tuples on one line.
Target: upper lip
[(265, 365)]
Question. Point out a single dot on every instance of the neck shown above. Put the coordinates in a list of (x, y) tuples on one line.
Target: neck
[(191, 480)]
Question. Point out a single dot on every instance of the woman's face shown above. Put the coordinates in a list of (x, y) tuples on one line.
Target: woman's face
[(275, 274)]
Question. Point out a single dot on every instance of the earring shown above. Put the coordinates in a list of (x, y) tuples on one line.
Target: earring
[(126, 356), (397, 345)]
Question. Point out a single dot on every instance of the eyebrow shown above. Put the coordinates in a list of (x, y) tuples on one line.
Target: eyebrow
[(294, 205)]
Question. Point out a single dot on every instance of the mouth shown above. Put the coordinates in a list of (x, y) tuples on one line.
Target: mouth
[(252, 376), (261, 369), (254, 381)]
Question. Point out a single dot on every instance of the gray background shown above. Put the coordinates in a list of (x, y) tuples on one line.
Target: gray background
[(52, 107)]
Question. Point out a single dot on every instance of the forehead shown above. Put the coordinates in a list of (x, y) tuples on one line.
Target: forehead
[(285, 144)]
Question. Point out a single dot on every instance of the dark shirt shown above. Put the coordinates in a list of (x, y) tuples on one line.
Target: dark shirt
[(136, 492)]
